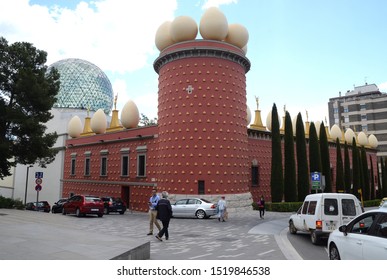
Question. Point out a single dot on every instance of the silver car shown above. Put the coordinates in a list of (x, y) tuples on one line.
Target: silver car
[(194, 207)]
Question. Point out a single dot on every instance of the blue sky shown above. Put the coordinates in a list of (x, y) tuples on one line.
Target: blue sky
[(302, 52)]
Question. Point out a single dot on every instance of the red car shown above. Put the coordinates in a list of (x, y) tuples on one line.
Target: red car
[(81, 205)]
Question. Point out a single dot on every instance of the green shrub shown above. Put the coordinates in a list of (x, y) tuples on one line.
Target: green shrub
[(10, 203)]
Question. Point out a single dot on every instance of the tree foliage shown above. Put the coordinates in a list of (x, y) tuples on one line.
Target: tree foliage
[(276, 181), (365, 174), (347, 169), (303, 185), (27, 94), (145, 121), (290, 184), (339, 168), (356, 179), (314, 150), (372, 186), (325, 161)]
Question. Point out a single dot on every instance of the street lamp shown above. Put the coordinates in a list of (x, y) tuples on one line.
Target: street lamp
[(25, 193)]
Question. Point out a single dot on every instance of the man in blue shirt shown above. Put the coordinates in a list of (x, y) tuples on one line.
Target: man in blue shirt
[(153, 200)]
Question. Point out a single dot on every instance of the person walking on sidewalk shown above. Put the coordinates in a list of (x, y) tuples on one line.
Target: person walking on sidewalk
[(222, 208), (164, 213), (261, 207), (153, 200)]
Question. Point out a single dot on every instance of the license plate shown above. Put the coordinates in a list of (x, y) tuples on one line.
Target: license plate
[(94, 209), (119, 209), (331, 227)]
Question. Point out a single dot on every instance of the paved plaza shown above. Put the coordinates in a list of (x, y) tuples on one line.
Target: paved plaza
[(29, 235)]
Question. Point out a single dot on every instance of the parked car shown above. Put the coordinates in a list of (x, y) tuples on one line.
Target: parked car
[(193, 207), (43, 206), (81, 205), (58, 206), (113, 204), (322, 213), (364, 238), (383, 201)]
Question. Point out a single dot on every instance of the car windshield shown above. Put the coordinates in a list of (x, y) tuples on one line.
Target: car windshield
[(93, 199)]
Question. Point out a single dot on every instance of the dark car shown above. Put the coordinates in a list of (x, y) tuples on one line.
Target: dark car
[(113, 204), (58, 206), (43, 206), (81, 205)]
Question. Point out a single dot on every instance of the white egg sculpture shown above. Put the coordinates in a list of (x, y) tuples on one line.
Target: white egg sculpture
[(237, 35), (318, 125), (183, 28), (98, 122), (373, 141), (362, 138), (336, 132), (163, 36), (269, 122), (349, 135), (130, 116), (248, 117), (213, 25), (244, 49), (294, 124), (74, 127)]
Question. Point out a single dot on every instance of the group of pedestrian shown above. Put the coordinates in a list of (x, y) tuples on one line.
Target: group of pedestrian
[(161, 209)]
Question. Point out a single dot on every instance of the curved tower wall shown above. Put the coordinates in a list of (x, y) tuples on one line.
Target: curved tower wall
[(203, 131)]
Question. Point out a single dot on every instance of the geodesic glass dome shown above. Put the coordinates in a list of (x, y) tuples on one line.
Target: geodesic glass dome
[(83, 86)]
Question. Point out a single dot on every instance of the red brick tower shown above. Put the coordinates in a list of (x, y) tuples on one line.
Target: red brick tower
[(202, 118)]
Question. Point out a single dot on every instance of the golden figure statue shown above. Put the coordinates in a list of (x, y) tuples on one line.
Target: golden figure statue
[(257, 101)]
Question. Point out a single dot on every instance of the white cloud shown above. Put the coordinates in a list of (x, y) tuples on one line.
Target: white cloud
[(216, 3), (115, 35), (382, 86)]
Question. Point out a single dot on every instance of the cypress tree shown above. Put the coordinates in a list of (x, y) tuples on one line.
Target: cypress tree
[(325, 162), (355, 169), (347, 170), (366, 177), (384, 180), (276, 181), (339, 168), (372, 190), (314, 150), (303, 185), (290, 185), (380, 179)]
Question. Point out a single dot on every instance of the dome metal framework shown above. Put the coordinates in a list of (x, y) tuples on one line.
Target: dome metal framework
[(83, 86)]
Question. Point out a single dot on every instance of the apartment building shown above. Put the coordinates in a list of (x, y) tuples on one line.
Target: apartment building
[(363, 109)]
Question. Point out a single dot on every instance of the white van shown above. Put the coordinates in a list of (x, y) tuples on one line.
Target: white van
[(321, 213)]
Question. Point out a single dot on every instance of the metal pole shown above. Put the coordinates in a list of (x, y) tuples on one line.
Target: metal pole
[(25, 193)]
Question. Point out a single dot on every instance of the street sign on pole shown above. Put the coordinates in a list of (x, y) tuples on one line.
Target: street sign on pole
[(38, 175), (316, 180)]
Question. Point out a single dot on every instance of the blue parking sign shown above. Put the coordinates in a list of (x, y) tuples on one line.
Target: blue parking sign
[(38, 175), (316, 177)]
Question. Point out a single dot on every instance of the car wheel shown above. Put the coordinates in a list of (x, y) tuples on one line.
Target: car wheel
[(292, 228), (122, 212), (77, 212), (100, 215), (200, 214), (314, 238), (334, 253), (63, 212), (106, 211)]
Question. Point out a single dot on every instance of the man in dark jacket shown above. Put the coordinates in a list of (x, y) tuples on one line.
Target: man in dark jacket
[(164, 214)]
